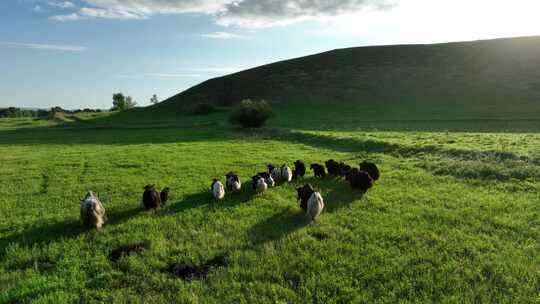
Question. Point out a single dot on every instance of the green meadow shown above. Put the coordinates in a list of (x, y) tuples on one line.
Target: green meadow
[(455, 217)]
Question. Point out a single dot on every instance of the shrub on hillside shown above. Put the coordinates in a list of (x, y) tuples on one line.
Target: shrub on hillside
[(122, 103), (203, 109), (251, 113)]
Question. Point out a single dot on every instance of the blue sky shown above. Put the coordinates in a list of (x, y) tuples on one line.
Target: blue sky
[(77, 53)]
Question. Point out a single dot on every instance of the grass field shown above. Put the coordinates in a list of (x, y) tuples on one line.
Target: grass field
[(455, 217)]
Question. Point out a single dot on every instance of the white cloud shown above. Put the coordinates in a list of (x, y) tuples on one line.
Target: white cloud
[(163, 75), (152, 7), (269, 13), (37, 8), (241, 13), (63, 48), (172, 75), (61, 4), (68, 17), (224, 35), (109, 13), (218, 70), (87, 13)]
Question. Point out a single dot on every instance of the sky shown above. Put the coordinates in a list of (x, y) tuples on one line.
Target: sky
[(77, 53)]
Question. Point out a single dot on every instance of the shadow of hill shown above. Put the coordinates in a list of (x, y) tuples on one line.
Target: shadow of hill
[(112, 136), (66, 229), (130, 127)]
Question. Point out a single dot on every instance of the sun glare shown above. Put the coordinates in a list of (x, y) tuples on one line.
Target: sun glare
[(426, 21)]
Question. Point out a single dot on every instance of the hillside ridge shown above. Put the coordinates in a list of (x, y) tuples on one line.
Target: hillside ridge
[(482, 71)]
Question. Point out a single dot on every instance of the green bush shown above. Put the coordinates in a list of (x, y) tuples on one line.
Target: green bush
[(122, 103), (251, 114), (13, 112), (203, 109)]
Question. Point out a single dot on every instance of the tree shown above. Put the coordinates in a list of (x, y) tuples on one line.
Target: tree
[(130, 103), (122, 103), (118, 101), (154, 99)]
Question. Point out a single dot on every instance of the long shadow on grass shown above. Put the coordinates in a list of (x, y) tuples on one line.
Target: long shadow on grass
[(205, 198), (337, 194), (278, 226), (110, 136), (352, 145), (67, 229), (485, 165)]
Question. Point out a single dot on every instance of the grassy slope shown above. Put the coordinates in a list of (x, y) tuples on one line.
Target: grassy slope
[(494, 79), (454, 218)]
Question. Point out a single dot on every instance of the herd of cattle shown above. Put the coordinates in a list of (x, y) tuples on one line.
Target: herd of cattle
[(311, 202)]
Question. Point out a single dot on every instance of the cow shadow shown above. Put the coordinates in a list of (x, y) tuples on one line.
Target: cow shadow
[(336, 192), (204, 199), (277, 226), (65, 229), (340, 196)]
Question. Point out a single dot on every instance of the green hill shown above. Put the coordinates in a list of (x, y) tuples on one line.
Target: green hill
[(488, 77)]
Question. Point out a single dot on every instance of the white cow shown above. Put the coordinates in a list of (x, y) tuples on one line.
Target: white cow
[(286, 174), (315, 205), (218, 191), (92, 211), (260, 185)]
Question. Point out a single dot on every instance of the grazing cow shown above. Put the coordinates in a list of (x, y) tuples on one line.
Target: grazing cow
[(333, 167), (344, 169), (274, 172), (286, 174), (359, 180), (370, 168), (233, 182), (299, 169), (259, 184), (151, 198), (268, 179), (310, 201), (164, 195), (218, 191), (318, 170), (92, 211)]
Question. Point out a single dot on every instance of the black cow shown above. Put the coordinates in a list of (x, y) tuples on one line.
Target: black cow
[(359, 180), (370, 168), (318, 170), (151, 198), (299, 169)]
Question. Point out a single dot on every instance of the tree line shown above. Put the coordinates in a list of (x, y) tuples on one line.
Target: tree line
[(120, 103)]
